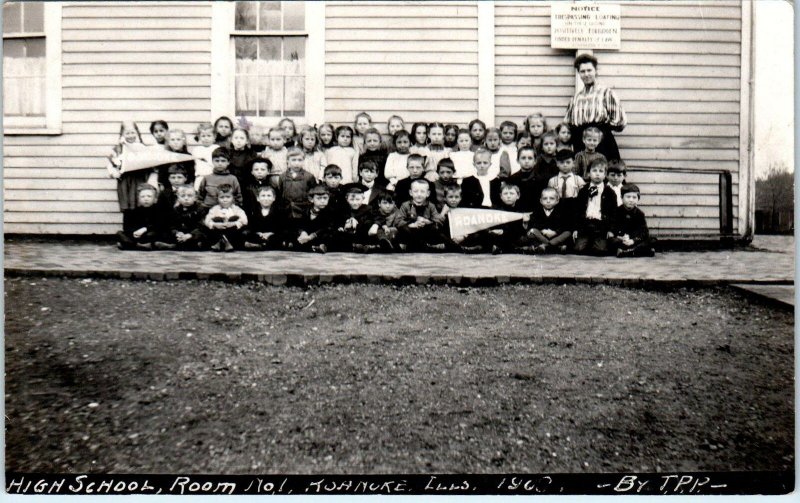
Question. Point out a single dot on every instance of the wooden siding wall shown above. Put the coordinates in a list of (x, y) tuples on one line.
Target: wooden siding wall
[(118, 63), (678, 75), (415, 59)]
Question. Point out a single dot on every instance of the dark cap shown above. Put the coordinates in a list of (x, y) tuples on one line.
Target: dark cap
[(564, 154), (353, 188), (317, 190), (629, 187)]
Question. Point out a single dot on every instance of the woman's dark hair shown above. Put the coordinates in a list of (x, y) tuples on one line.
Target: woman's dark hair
[(158, 123), (585, 58)]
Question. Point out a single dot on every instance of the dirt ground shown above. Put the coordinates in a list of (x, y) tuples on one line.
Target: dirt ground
[(208, 377)]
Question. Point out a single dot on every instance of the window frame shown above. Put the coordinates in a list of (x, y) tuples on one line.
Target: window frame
[(51, 123), (223, 62)]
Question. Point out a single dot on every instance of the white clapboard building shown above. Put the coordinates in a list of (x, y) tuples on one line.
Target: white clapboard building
[(74, 70)]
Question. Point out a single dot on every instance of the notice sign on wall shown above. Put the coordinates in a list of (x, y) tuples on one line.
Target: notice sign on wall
[(584, 25)]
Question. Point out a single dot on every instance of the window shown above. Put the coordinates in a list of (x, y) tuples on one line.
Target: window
[(31, 67), (269, 41)]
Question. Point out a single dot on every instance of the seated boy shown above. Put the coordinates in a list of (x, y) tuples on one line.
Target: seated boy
[(567, 183), (350, 225), (616, 178), (631, 238), (446, 171), (209, 186), (184, 222), (416, 169), (382, 224), (332, 180), (373, 185), (314, 229), (481, 190), (595, 208), (140, 226), (592, 137), (546, 167), (506, 236), (259, 178), (267, 225), (550, 227), (168, 196), (471, 243), (525, 178), (419, 226), (294, 183), (225, 221)]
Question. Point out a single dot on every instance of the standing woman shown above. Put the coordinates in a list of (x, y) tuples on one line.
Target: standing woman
[(597, 106)]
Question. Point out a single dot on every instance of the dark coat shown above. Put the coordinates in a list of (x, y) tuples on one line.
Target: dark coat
[(560, 219), (608, 208), (630, 222), (472, 193)]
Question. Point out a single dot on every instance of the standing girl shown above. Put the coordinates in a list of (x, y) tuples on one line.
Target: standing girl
[(419, 139), (393, 125), (536, 125), (564, 135), (223, 127), (500, 165), (326, 137), (397, 161), (344, 155), (436, 150), (289, 132), (463, 157), (314, 161), (202, 152), (374, 151), (242, 156), (130, 140), (450, 136), (362, 123), (477, 131), (159, 131)]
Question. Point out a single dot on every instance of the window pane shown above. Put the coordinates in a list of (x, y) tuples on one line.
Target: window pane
[(24, 81), (294, 55), (270, 70), (34, 48), (269, 50), (295, 97), (294, 15), (246, 75), (34, 16), (246, 15), (246, 94), (270, 90), (12, 17), (269, 15), (245, 47)]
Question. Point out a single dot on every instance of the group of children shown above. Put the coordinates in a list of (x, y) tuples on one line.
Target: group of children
[(355, 189)]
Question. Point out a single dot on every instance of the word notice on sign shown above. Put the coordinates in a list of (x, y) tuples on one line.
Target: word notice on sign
[(584, 25)]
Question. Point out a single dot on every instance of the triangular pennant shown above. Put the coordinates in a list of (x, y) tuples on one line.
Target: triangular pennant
[(465, 221), (149, 157)]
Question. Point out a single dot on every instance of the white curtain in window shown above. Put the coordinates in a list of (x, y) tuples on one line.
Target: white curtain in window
[(24, 86), (260, 85)]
